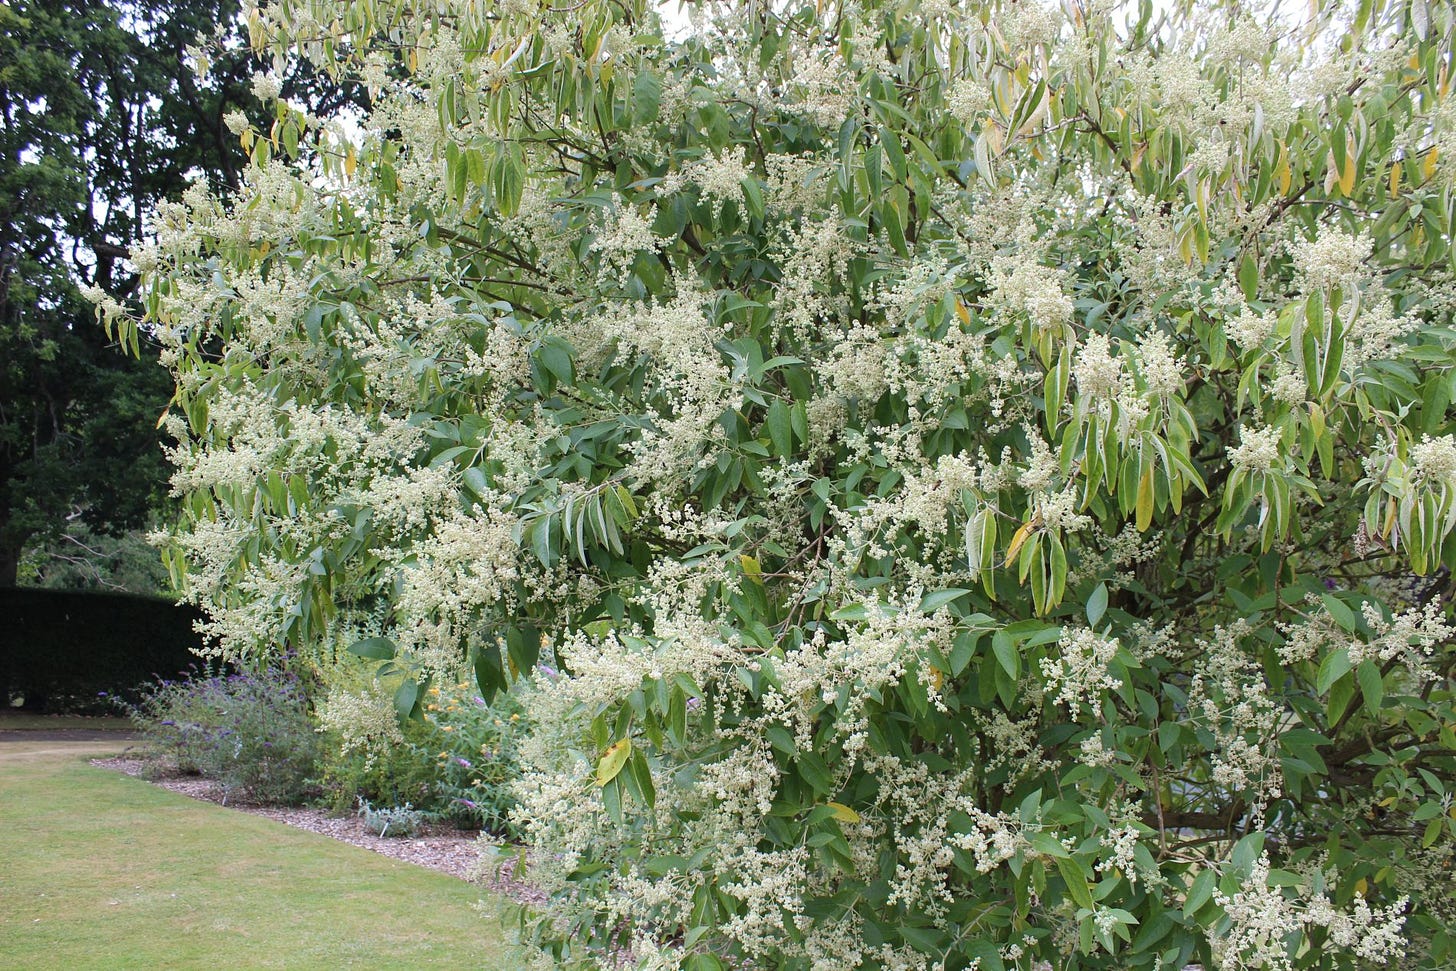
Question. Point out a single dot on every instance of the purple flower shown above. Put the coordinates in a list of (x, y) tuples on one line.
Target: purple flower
[(467, 802), (464, 762)]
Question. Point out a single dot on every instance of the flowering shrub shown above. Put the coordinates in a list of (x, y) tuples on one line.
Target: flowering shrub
[(457, 761), (251, 731), (477, 764), (370, 754), (981, 477)]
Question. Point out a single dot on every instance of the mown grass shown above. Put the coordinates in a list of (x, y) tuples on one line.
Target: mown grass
[(11, 721), (100, 870)]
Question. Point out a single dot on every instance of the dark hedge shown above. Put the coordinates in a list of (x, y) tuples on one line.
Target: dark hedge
[(61, 650)]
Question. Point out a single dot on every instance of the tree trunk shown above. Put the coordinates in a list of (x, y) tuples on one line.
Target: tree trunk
[(9, 564)]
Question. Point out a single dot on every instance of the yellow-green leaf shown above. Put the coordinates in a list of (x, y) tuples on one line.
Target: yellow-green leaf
[(612, 760), (1018, 540), (751, 568), (1145, 499)]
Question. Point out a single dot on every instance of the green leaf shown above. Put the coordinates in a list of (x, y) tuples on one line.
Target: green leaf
[(523, 647), (1372, 685), (640, 775), (374, 648), (475, 480), (1340, 612), (1076, 881), (1006, 654), (1249, 277), (1199, 893), (556, 359), (780, 738), (780, 429), (489, 673), (646, 98), (1096, 605), (935, 600), (1335, 666), (894, 153), (407, 697)]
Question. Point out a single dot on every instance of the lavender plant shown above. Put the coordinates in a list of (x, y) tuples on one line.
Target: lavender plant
[(251, 731), (980, 476)]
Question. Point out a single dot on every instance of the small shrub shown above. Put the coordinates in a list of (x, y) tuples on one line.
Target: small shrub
[(457, 764), (369, 754), (250, 731), (476, 759), (398, 821)]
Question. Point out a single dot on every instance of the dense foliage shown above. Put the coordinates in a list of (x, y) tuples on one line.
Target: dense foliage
[(954, 485), (68, 651), (457, 763)]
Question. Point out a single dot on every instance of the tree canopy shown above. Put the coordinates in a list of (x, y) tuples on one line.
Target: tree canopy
[(954, 485), (100, 119)]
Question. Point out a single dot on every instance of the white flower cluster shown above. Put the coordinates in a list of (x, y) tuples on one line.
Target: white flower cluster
[(1120, 845), (823, 88), (718, 177), (1410, 637), (1097, 372), (1159, 365), (365, 721), (625, 233), (1034, 290), (968, 101), (267, 87), (1263, 919), (468, 565), (1229, 695), (1078, 673), (1258, 449), (1334, 258), (1433, 460)]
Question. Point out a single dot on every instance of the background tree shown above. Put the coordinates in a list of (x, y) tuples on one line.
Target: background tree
[(954, 485), (101, 117)]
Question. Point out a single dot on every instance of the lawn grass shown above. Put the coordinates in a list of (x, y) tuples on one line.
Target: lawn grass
[(14, 721), (100, 870)]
